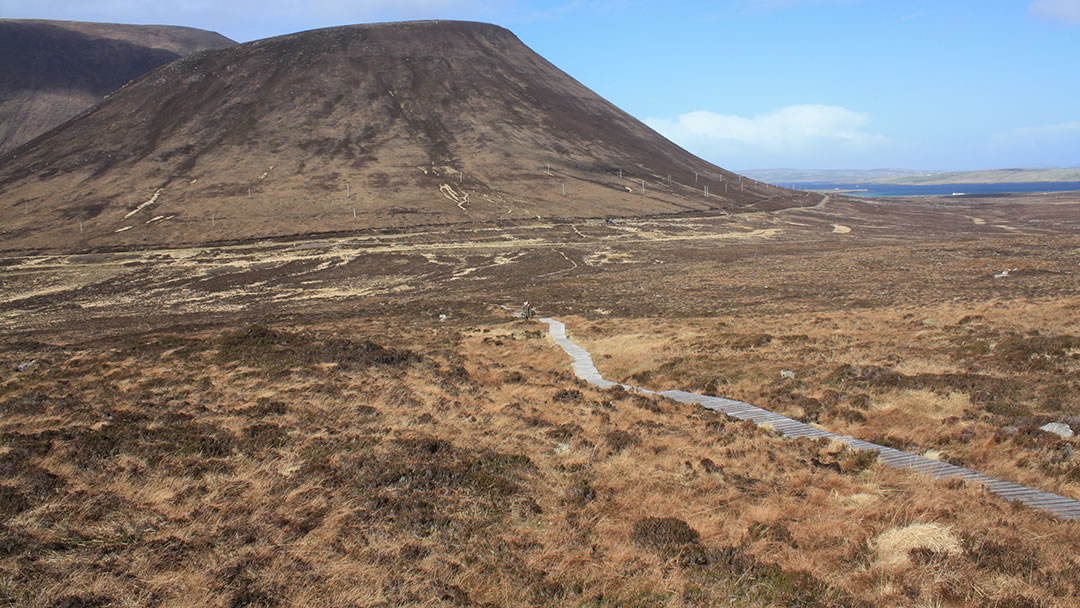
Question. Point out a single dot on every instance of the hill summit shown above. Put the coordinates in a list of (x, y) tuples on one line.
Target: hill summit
[(384, 125)]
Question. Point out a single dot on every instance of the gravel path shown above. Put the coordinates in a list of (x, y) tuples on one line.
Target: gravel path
[(1064, 508)]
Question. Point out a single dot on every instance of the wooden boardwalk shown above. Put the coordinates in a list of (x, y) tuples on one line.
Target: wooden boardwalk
[(1062, 507)]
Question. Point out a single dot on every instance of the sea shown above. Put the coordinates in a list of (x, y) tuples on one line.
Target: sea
[(879, 190)]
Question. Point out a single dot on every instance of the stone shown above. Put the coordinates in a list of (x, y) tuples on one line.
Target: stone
[(27, 366), (1058, 428)]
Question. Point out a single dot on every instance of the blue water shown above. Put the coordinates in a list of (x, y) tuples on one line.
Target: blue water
[(946, 189)]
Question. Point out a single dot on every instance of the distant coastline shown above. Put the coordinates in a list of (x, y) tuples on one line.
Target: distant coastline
[(949, 189), (914, 177), (997, 176)]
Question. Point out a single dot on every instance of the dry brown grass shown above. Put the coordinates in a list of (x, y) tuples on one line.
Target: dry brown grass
[(297, 467), (390, 437), (894, 548), (972, 384)]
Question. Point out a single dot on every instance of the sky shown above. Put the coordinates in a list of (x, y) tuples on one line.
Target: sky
[(755, 84)]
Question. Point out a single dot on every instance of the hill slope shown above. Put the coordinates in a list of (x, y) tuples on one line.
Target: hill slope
[(52, 70), (399, 124)]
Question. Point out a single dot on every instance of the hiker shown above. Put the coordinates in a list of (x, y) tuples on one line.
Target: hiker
[(526, 310)]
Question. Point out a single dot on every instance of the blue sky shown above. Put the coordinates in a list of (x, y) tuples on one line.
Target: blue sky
[(750, 84)]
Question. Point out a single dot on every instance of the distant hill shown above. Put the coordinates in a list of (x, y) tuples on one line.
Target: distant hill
[(387, 125), (51, 71), (912, 176), (994, 176), (839, 176)]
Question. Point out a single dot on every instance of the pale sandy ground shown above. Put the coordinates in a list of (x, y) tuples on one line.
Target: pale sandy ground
[(461, 256)]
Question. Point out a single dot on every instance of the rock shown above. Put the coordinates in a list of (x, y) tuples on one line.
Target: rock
[(1058, 428), (27, 366)]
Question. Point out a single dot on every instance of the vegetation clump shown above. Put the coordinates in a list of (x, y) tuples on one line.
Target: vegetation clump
[(260, 346), (514, 377), (1034, 352), (620, 440), (751, 341), (567, 395), (663, 533)]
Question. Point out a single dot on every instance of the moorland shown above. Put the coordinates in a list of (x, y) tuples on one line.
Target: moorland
[(358, 419)]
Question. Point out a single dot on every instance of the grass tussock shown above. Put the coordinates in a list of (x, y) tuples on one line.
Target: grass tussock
[(260, 346), (898, 547)]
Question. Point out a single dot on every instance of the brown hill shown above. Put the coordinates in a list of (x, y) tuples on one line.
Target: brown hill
[(384, 125), (51, 71)]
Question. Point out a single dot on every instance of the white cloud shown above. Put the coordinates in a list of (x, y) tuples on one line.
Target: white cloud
[(779, 5), (1067, 129), (526, 12), (915, 15), (798, 135), (796, 126), (1041, 134), (1051, 145), (1065, 12)]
